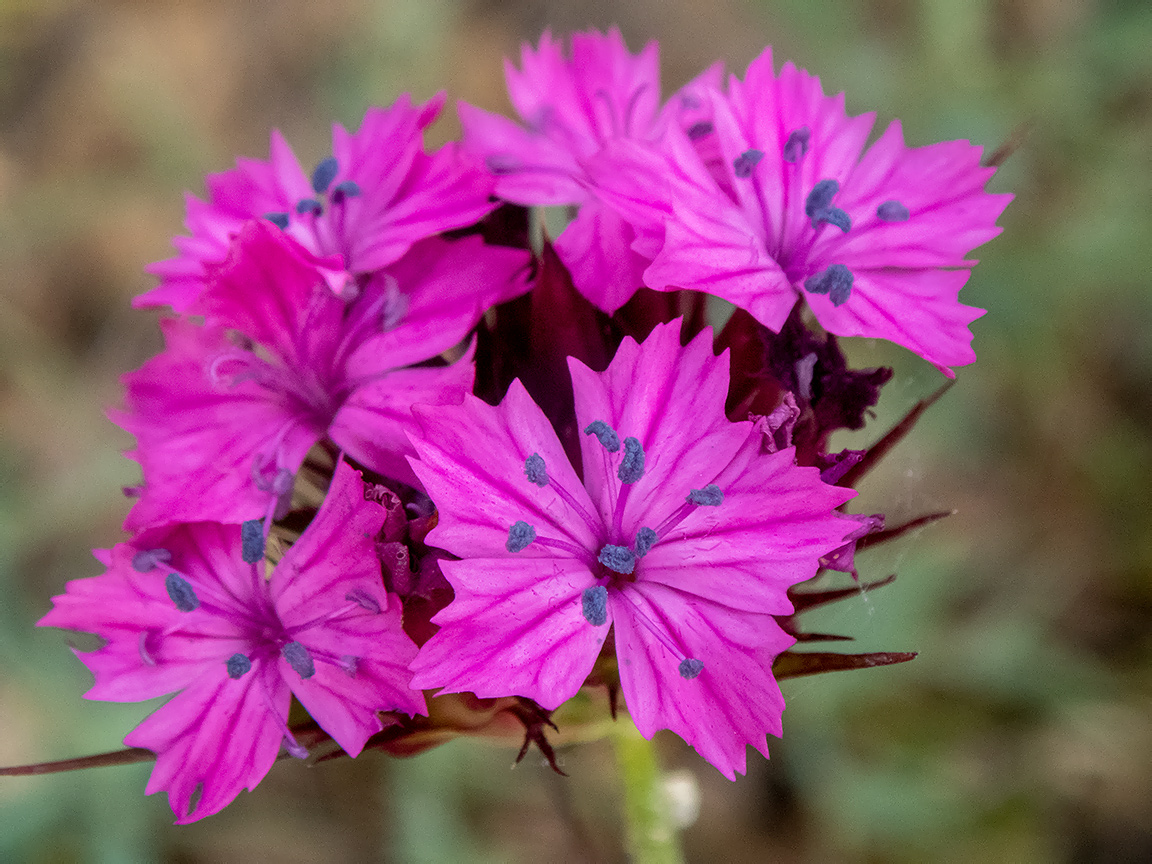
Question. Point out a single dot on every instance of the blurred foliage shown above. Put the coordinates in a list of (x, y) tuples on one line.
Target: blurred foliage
[(1023, 730)]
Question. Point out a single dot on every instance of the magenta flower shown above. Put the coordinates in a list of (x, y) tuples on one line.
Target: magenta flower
[(223, 422), (875, 243), (377, 195), (189, 609), (682, 537), (572, 108)]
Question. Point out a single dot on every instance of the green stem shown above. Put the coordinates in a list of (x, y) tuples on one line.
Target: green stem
[(651, 831)]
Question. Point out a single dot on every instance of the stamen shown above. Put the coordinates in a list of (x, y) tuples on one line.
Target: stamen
[(237, 665), (594, 603), (645, 540), (699, 130), (710, 496), (617, 558), (630, 108), (252, 541), (820, 197), (309, 205), (690, 667), (323, 174), (835, 281), (395, 304), (344, 189), (632, 466), (147, 559), (536, 470), (892, 211), (797, 144), (604, 434), (659, 633), (502, 164), (142, 645), (576, 551), (519, 536), (350, 664), (280, 220), (833, 216), (293, 746), (278, 484), (181, 592), (743, 164), (299, 659), (363, 599)]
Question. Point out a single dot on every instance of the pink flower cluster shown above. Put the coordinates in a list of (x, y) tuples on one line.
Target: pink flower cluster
[(380, 331)]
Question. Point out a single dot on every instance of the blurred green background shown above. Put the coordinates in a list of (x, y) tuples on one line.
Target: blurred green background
[(1023, 732)]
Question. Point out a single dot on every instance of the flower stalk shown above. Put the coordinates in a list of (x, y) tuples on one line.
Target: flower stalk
[(650, 829)]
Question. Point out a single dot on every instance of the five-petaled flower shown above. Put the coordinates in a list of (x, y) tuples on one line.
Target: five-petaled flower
[(375, 197), (683, 537), (572, 107), (189, 609), (224, 421), (875, 243)]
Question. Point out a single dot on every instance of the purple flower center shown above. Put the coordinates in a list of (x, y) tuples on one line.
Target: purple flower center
[(615, 558)]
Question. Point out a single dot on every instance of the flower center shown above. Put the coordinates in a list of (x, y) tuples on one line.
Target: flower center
[(321, 218), (615, 561)]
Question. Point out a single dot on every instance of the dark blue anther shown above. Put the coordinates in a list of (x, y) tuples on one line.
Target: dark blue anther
[(594, 602), (299, 659), (252, 541), (519, 536), (323, 174), (690, 667), (280, 220), (833, 216), (501, 164), (797, 144), (700, 130), (535, 469), (709, 496), (345, 188), (604, 434), (309, 205), (363, 599), (147, 559), (618, 558), (237, 665), (836, 282), (181, 592), (820, 198), (892, 211), (632, 466), (743, 164), (645, 539)]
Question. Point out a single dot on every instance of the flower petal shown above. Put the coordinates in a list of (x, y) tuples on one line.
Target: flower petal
[(213, 739), (732, 702), (672, 400), (472, 464), (197, 442), (524, 628)]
